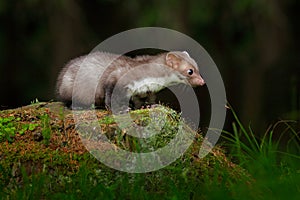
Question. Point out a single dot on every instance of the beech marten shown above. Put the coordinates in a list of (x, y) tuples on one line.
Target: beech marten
[(91, 79)]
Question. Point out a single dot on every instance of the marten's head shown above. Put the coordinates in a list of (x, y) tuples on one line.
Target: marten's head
[(185, 65)]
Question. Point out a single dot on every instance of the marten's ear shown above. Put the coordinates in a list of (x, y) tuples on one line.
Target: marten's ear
[(172, 60), (186, 53)]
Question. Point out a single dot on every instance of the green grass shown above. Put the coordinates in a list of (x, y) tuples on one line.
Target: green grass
[(273, 159), (268, 168)]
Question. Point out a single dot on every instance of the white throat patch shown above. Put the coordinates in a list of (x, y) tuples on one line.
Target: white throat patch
[(153, 84)]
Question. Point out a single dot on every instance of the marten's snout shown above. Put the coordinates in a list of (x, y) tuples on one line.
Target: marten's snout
[(200, 81), (197, 81)]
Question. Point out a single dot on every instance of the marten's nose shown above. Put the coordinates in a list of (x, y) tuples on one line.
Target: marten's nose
[(200, 81), (197, 81)]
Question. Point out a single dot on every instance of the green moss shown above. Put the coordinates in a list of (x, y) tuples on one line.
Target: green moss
[(59, 167)]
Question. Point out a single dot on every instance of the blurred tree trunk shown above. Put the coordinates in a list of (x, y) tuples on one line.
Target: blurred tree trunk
[(67, 33), (271, 39)]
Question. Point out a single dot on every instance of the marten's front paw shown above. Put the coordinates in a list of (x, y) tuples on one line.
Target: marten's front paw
[(155, 105), (150, 106), (123, 110)]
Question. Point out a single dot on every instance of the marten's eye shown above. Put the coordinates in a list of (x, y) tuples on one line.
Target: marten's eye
[(190, 71)]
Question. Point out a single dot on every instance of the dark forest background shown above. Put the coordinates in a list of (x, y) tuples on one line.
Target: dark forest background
[(255, 44)]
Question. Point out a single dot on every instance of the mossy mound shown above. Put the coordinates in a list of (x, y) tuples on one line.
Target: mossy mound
[(51, 156)]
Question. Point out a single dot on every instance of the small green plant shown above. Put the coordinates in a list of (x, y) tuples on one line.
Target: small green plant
[(7, 128), (25, 127), (107, 120), (35, 101)]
